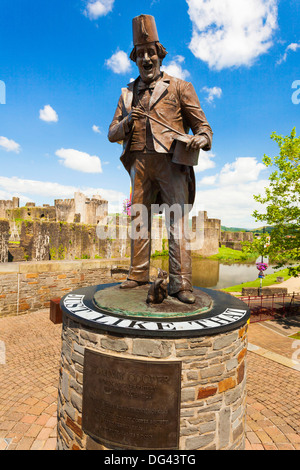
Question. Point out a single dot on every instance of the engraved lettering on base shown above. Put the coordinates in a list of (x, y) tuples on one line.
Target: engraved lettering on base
[(131, 404)]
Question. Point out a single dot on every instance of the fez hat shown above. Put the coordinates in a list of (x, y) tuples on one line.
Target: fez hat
[(144, 30)]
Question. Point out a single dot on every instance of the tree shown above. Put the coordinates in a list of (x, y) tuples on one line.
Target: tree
[(282, 204)]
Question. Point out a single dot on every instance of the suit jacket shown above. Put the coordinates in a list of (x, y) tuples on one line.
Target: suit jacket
[(174, 102)]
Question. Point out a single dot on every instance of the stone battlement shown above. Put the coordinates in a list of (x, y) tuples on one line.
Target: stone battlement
[(81, 209), (234, 240)]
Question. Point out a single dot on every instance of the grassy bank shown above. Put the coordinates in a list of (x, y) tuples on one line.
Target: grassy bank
[(226, 255), (231, 256), (296, 336), (269, 280)]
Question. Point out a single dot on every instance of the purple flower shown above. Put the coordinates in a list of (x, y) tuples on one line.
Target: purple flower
[(262, 266), (126, 207)]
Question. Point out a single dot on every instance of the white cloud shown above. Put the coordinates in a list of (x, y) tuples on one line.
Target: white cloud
[(97, 8), (228, 33), (208, 180), (242, 170), (48, 114), (205, 161), (294, 46), (119, 62), (228, 195), (212, 93), (79, 161), (96, 129), (9, 145), (174, 68), (232, 204), (30, 190)]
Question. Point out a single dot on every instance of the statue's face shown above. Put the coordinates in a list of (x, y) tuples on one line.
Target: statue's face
[(148, 61)]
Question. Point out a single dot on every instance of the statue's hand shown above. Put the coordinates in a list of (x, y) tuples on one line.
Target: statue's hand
[(197, 142), (135, 114)]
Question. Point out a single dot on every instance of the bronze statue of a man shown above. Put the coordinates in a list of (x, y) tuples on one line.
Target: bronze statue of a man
[(148, 150)]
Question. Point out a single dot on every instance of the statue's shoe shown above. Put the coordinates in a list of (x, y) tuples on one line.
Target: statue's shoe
[(130, 284), (185, 296)]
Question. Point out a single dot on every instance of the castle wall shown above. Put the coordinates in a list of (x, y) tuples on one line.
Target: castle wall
[(43, 241), (48, 240), (95, 211), (30, 212), (8, 205), (208, 232), (65, 210), (81, 209), (4, 238), (234, 240)]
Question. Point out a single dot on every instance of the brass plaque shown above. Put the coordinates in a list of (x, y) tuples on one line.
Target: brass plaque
[(131, 404)]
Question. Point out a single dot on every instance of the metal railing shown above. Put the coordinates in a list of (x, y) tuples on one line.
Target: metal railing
[(266, 307)]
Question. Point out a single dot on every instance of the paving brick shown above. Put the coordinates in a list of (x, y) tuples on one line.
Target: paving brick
[(29, 419), (34, 430), (37, 445), (50, 444), (252, 438), (25, 443), (44, 434)]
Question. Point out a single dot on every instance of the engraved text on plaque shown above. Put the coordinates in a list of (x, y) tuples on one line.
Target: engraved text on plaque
[(129, 403)]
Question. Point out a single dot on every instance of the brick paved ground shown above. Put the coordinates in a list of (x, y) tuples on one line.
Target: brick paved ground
[(264, 337), (29, 380), (273, 411)]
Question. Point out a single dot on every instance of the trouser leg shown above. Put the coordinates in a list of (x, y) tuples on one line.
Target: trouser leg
[(173, 185), (142, 192), (180, 269)]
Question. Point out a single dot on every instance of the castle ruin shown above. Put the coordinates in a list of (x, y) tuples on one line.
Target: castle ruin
[(81, 209), (70, 230)]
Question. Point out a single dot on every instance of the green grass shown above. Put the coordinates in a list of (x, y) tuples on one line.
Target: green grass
[(269, 280), (225, 254), (296, 336), (160, 254), (230, 255)]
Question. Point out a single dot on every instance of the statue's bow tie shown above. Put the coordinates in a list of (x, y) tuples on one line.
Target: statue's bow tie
[(146, 86)]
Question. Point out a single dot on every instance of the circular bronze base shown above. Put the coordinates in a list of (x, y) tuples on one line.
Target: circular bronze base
[(132, 303), (126, 312)]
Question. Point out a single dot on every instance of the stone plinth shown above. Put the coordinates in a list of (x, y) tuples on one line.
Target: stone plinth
[(210, 351)]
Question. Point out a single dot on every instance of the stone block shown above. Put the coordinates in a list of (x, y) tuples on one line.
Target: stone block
[(188, 394), (225, 341), (151, 348), (227, 384), (65, 385), (76, 401), (241, 372), (118, 345), (194, 443), (206, 392), (214, 371), (224, 427)]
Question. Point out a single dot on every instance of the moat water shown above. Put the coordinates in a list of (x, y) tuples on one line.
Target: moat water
[(214, 274)]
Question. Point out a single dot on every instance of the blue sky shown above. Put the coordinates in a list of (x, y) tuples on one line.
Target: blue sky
[(64, 64)]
